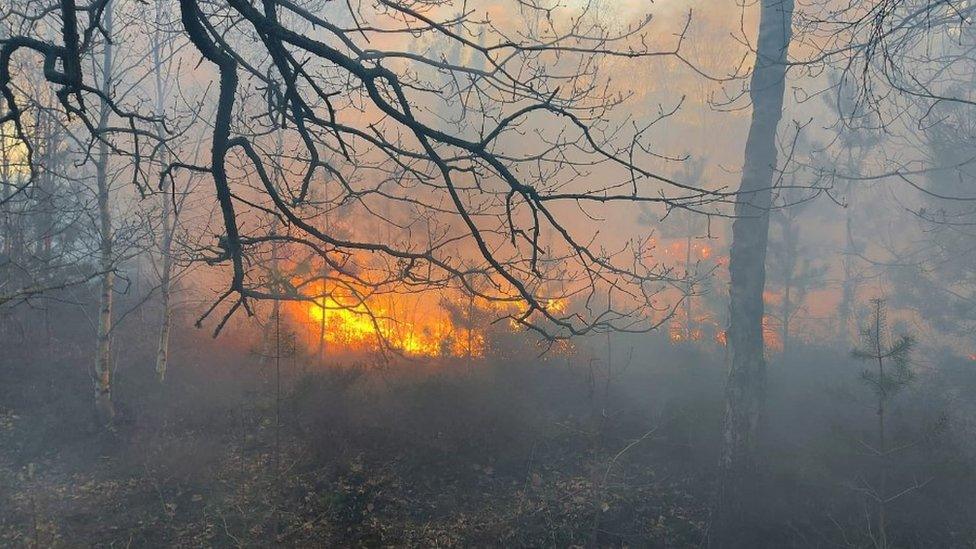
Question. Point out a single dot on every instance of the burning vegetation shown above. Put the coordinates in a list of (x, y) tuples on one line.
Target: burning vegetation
[(429, 324), (424, 325), (513, 273)]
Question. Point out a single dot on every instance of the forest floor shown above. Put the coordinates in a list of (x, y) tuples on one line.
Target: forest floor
[(506, 452), (423, 456)]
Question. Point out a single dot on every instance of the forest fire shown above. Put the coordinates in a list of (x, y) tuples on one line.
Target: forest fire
[(686, 250), (403, 323), (423, 273), (435, 323)]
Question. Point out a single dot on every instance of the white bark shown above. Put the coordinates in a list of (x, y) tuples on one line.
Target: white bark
[(167, 213), (103, 357)]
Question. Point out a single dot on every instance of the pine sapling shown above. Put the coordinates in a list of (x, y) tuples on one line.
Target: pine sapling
[(888, 373)]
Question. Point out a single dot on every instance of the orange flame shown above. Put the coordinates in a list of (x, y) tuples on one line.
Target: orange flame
[(401, 323), (441, 323)]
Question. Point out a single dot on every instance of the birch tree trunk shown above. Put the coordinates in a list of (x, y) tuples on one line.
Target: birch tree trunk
[(103, 358), (165, 290), (745, 389), (167, 213)]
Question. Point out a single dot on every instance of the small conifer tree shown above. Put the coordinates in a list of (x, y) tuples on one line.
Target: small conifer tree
[(888, 372)]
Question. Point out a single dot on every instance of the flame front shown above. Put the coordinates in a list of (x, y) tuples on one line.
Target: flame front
[(434, 323), (411, 324)]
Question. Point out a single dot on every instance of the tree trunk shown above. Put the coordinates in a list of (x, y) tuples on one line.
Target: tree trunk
[(790, 251), (322, 321), (165, 289), (166, 241), (6, 227), (849, 288), (882, 541), (745, 389), (846, 309), (6, 187), (689, 288), (787, 314), (103, 364)]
